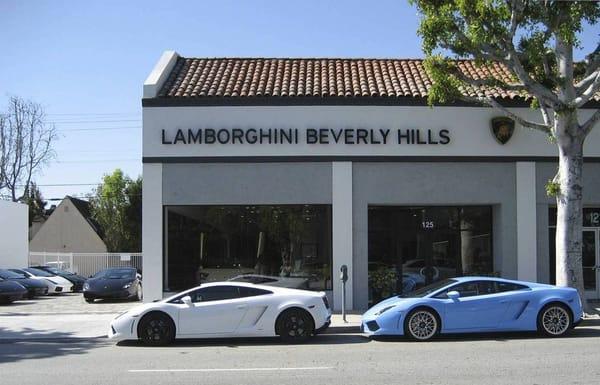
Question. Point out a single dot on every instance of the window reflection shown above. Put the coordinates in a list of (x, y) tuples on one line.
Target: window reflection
[(410, 247), (284, 245)]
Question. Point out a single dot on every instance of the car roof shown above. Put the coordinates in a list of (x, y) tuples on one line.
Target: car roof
[(498, 279), (274, 289)]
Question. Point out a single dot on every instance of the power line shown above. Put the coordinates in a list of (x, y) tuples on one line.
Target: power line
[(93, 121), (94, 114), (98, 160), (99, 128), (64, 184)]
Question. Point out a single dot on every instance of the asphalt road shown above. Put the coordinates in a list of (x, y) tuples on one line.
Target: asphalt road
[(327, 359)]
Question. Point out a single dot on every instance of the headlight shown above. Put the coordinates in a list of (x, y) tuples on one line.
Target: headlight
[(86, 286), (51, 281), (380, 312), (127, 286)]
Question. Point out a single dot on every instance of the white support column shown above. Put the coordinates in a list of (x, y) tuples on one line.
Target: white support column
[(341, 191), (152, 232), (526, 222)]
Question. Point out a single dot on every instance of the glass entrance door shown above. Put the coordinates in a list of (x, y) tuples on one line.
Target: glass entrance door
[(591, 263)]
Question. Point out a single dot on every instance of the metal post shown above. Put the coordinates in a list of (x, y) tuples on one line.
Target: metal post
[(344, 301)]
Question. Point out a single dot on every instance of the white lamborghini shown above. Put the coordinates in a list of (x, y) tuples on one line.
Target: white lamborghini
[(226, 309)]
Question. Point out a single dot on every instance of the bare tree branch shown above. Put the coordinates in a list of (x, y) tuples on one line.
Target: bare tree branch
[(547, 115), (590, 123), (25, 145), (585, 82), (493, 103), (589, 92)]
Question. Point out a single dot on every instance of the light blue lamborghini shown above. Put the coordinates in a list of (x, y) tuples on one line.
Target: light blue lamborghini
[(474, 305)]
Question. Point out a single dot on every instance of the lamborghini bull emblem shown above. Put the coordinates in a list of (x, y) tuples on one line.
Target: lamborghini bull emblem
[(503, 129)]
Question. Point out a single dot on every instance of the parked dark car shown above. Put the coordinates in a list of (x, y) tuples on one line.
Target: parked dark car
[(114, 283), (34, 287), (76, 279), (11, 291)]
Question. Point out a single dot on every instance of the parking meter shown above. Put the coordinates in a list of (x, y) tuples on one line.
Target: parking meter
[(344, 278), (344, 273)]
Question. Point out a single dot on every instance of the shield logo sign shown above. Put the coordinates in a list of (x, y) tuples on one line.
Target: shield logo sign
[(502, 129)]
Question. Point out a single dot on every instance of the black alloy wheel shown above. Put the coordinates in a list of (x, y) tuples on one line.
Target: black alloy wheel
[(156, 329), (89, 300), (295, 325)]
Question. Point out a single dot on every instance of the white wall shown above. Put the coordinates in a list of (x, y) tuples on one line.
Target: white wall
[(469, 130), (14, 233)]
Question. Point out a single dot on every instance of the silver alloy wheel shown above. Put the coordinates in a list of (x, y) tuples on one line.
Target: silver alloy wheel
[(422, 325), (555, 320)]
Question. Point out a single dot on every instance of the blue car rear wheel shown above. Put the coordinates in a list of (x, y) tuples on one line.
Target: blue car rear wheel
[(554, 320)]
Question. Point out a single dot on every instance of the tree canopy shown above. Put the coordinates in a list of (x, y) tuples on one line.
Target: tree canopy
[(534, 39), (117, 207)]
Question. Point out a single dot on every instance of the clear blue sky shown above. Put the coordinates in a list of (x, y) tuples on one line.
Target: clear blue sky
[(86, 61)]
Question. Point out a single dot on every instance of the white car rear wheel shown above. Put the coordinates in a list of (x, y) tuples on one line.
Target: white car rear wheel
[(295, 325)]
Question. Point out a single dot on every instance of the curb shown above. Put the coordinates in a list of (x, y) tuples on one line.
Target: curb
[(10, 340), (57, 313)]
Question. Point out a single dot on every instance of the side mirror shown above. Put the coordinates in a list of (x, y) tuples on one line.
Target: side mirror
[(188, 301), (453, 295)]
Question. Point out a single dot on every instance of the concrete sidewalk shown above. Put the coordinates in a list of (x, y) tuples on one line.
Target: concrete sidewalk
[(57, 326), (69, 316)]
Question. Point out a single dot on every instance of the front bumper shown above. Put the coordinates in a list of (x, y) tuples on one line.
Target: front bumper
[(117, 294), (36, 291), (390, 323), (122, 328), (12, 296)]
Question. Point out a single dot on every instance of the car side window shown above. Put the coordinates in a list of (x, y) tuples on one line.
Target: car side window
[(215, 293), (503, 287), (252, 292), (466, 289)]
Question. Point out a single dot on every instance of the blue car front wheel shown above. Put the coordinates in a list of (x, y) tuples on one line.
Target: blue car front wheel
[(421, 324)]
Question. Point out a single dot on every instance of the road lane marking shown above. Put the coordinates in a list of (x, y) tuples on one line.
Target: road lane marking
[(229, 369)]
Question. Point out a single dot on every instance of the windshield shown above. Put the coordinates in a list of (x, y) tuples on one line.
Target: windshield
[(58, 271), (116, 274), (422, 292), (38, 273), (7, 274)]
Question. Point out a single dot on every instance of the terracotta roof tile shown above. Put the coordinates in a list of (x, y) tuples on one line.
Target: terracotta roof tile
[(252, 77)]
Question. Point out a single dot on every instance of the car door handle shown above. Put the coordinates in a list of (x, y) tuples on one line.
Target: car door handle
[(504, 301), (241, 306)]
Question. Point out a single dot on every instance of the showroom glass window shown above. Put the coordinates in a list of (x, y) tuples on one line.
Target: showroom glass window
[(410, 247), (288, 244)]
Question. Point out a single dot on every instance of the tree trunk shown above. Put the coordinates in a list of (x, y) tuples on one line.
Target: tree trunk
[(569, 200)]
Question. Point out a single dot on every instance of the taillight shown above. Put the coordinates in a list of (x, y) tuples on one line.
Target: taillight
[(325, 301)]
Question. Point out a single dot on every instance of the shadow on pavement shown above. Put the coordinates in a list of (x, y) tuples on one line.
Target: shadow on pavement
[(582, 331), (115, 300), (321, 339), (28, 344)]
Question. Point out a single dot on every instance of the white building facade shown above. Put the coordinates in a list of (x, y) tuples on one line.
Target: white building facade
[(284, 187), (14, 235)]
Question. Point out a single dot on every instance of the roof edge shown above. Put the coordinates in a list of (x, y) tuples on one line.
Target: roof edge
[(160, 73)]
